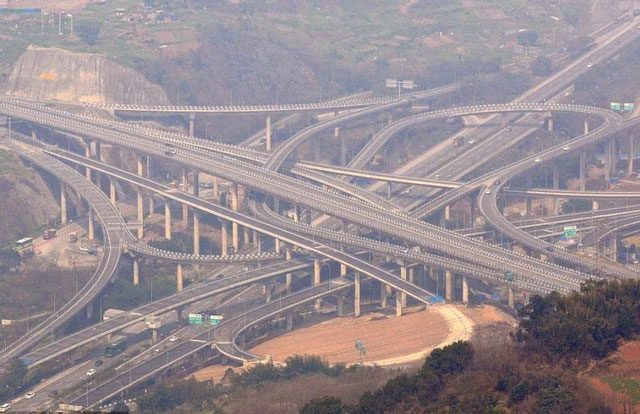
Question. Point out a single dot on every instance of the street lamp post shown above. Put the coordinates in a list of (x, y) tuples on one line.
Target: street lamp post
[(13, 392)]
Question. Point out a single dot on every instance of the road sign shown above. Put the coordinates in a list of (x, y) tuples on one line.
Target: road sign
[(195, 319), (215, 319), (570, 231), (616, 106), (628, 106)]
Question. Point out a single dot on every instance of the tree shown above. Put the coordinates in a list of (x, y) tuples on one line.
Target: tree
[(451, 359), (324, 405), (541, 66), (527, 38)]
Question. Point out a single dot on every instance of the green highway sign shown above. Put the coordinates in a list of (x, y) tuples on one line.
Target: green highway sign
[(195, 319), (627, 106), (215, 319), (616, 106), (570, 231)]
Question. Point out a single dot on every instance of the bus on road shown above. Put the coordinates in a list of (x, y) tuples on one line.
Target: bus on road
[(114, 348)]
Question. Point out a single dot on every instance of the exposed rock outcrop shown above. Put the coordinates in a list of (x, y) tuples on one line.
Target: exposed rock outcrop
[(56, 74)]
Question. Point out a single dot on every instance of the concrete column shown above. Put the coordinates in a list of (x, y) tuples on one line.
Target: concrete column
[(151, 207), (630, 151), (511, 300), (528, 205), (447, 213), (389, 188), (139, 166), (185, 188), (234, 225), (196, 233), (340, 300), (316, 280), (398, 303), (112, 191), (583, 168), (612, 158), (255, 237), (216, 189), (140, 214), (136, 272), (586, 127), (196, 183), (224, 243), (91, 227), (403, 276), (465, 290), (192, 118), (289, 321), (550, 124), (556, 177), (356, 295), (343, 270), (246, 236), (87, 154), (167, 220), (595, 205), (63, 203), (268, 133), (179, 279), (383, 296), (448, 279), (277, 246), (412, 275), (288, 276), (90, 310)]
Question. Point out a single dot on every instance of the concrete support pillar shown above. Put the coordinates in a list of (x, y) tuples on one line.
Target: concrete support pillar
[(87, 154), (448, 280), (412, 278), (196, 183), (550, 123), (289, 321), (234, 226), (167, 220), (246, 236), (255, 237), (583, 168), (403, 276), (398, 303), (185, 188), (151, 206), (196, 233), (343, 270), (340, 301), (528, 205), (389, 188), (511, 302), (595, 205), (447, 213), (276, 245), (316, 280), (465, 290), (611, 165), (383, 295), (90, 310), (268, 134), (586, 127), (63, 203), (179, 279), (288, 277), (630, 153), (139, 166), (192, 118), (216, 188), (140, 214), (356, 295), (91, 234), (154, 335), (112, 191), (136, 272), (556, 177), (224, 242)]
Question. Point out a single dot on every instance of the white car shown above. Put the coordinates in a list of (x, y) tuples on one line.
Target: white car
[(566, 148), (29, 395), (487, 191), (5, 407), (589, 65), (472, 141), (538, 159), (91, 372), (173, 338)]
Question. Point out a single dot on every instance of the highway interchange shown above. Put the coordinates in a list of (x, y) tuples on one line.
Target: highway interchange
[(275, 176)]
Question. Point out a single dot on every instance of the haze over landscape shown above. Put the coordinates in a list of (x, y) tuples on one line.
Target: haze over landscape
[(339, 206)]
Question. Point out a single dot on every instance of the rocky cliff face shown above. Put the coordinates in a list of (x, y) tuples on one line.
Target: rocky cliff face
[(55, 74)]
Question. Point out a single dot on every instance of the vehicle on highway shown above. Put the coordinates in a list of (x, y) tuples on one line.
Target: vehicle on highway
[(29, 395), (487, 191), (458, 141), (538, 159), (566, 148), (589, 65), (173, 338), (550, 249), (472, 141), (98, 362), (53, 394), (114, 348), (407, 191), (91, 372), (508, 129), (170, 152), (156, 351), (5, 407), (84, 249)]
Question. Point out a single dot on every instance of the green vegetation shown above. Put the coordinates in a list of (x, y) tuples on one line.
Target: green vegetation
[(628, 386)]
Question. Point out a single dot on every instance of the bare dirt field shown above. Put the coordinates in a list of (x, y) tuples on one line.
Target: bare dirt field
[(390, 341), (621, 369)]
